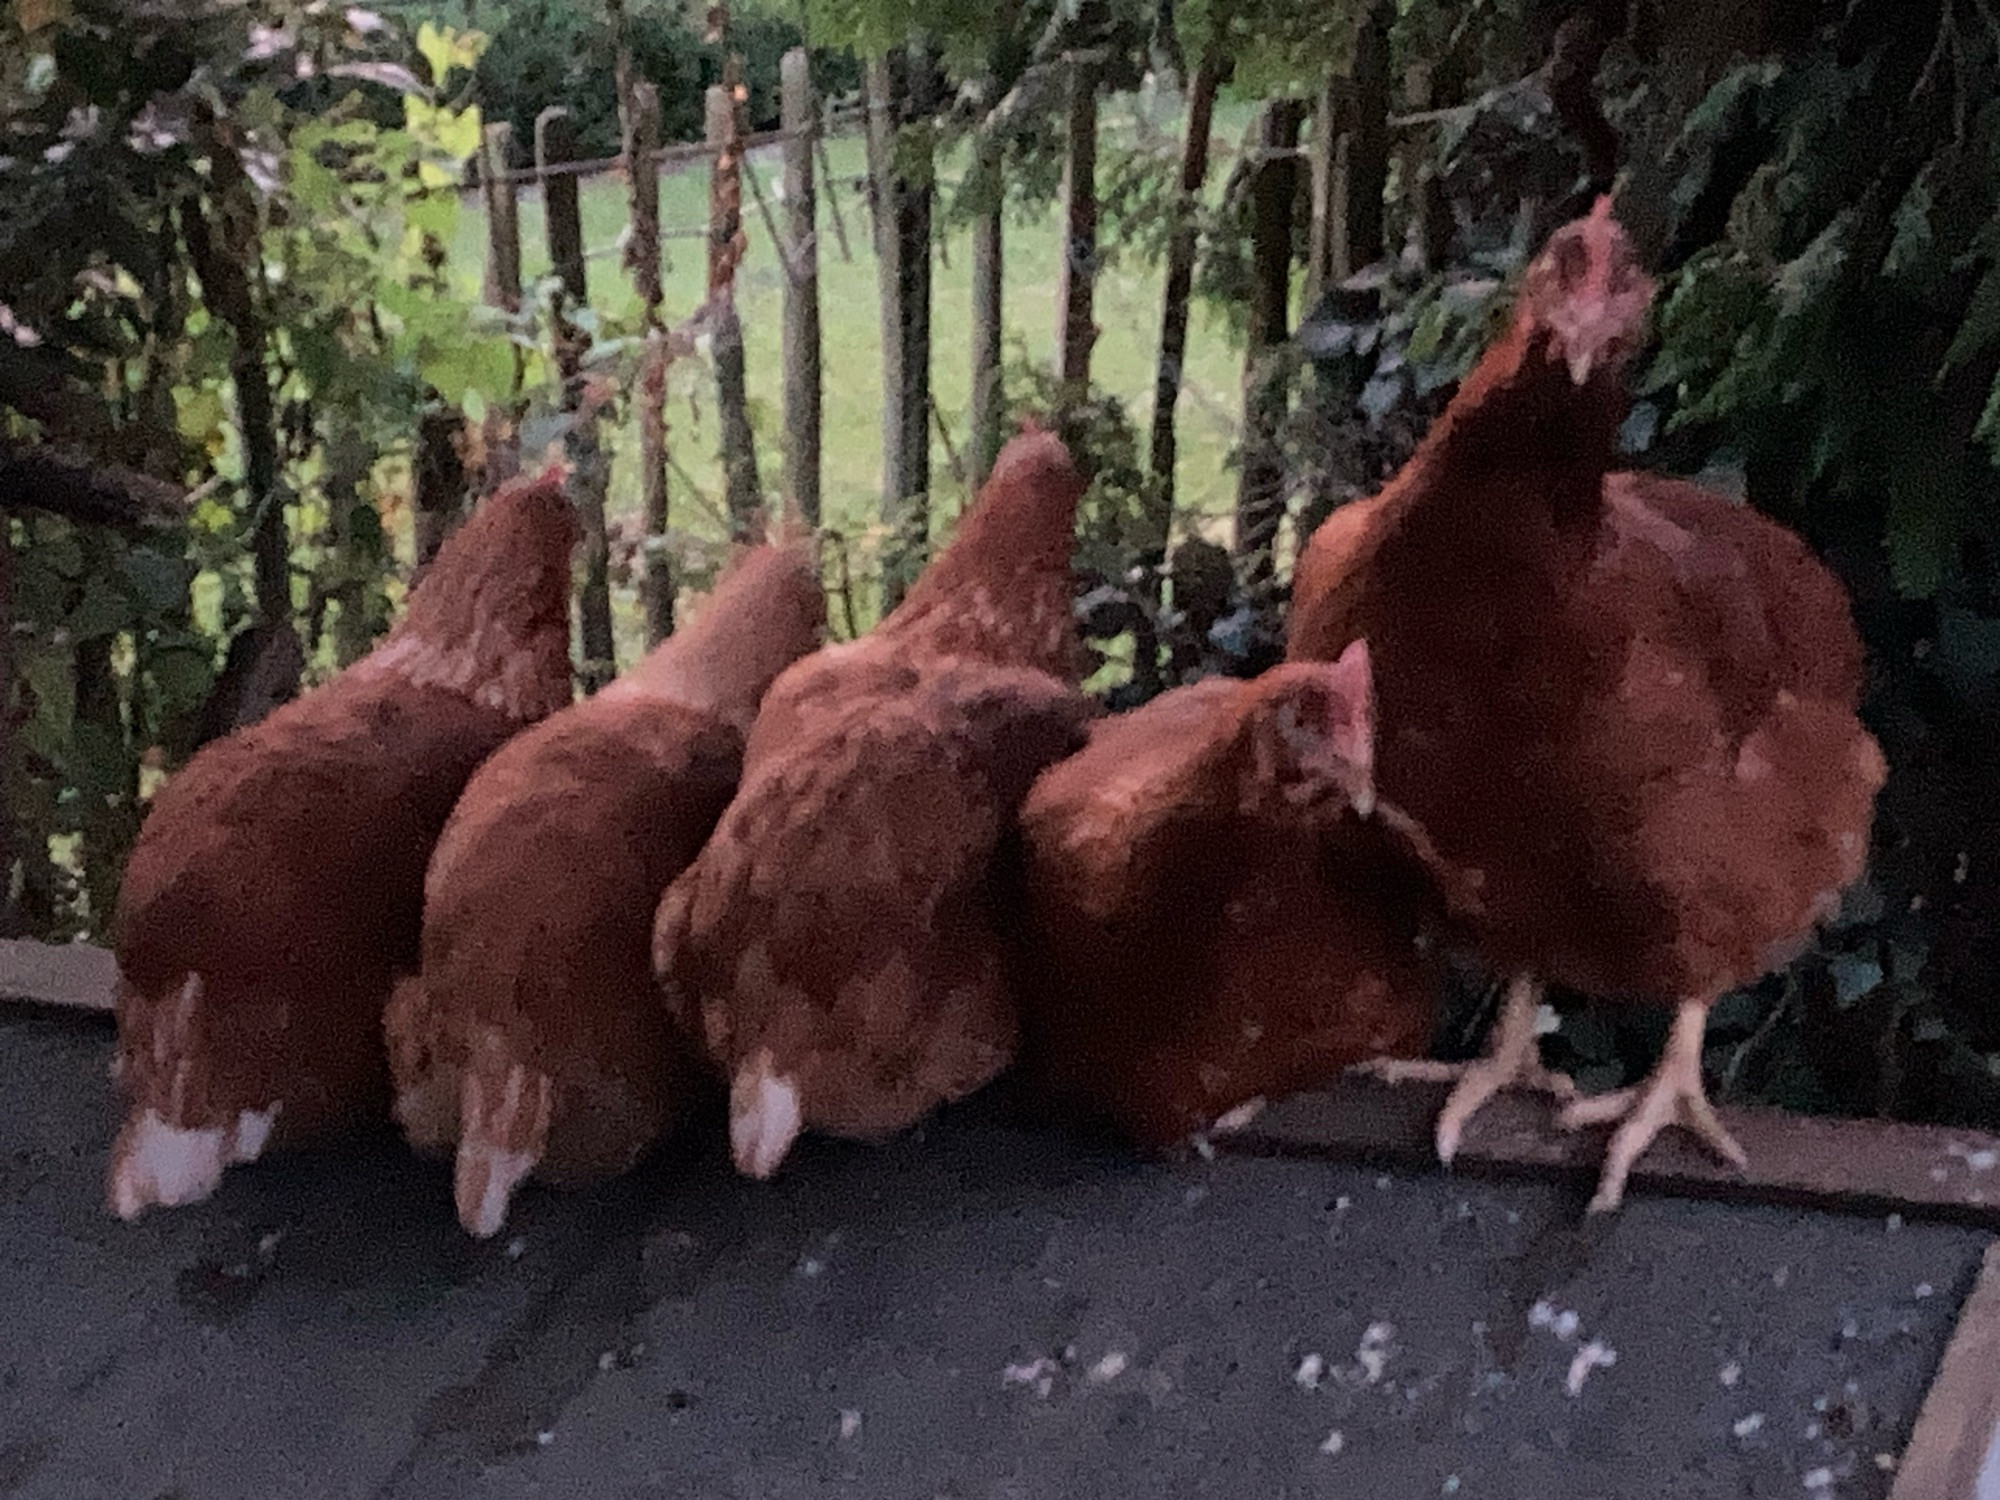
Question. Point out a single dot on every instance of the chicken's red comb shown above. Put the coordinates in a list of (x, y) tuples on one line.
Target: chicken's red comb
[(1601, 209), (1031, 426)]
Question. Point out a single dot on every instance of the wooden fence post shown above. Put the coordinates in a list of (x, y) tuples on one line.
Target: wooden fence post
[(799, 117), (640, 110), (725, 253), (885, 87), (989, 395), (1260, 494), (900, 143), (555, 147), (502, 289), (1077, 275), (1163, 449), (1328, 168), (1364, 192)]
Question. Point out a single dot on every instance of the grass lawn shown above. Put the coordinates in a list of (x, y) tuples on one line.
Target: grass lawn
[(1127, 308)]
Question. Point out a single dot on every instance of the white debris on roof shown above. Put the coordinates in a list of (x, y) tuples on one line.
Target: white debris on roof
[(1595, 1355), (1039, 1373), (1110, 1367)]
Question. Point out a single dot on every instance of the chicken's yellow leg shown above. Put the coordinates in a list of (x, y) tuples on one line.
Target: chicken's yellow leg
[(1512, 1061), (1671, 1095)]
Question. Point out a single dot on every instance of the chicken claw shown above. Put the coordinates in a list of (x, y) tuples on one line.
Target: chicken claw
[(1671, 1095), (1511, 1062)]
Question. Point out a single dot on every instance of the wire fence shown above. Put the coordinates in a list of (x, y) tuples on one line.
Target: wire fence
[(839, 122)]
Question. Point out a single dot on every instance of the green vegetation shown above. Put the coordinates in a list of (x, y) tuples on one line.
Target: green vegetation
[(1128, 311)]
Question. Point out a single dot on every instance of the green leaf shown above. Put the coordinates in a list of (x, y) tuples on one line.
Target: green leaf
[(462, 367), (1981, 326), (434, 213), (1988, 430), (49, 681), (1814, 271), (102, 611), (160, 580), (457, 132), (201, 415), (436, 48), (1854, 976), (1913, 238), (181, 677)]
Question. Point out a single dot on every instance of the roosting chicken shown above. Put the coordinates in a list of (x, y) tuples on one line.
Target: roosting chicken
[(276, 890), (835, 943), (534, 1040), (1622, 705), (1214, 916)]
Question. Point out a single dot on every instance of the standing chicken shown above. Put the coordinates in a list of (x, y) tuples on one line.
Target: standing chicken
[(1621, 705), (276, 890), (535, 1029), (1215, 918), (835, 945)]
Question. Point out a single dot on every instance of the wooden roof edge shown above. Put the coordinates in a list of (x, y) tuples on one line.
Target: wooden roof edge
[(1958, 1427), (68, 976), (1927, 1172)]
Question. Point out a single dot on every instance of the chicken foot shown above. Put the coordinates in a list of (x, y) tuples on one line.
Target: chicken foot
[(1512, 1061), (1671, 1095)]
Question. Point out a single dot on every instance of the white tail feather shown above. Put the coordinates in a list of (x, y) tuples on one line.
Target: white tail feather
[(763, 1117)]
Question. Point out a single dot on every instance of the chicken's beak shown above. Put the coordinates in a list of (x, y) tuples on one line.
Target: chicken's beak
[(1581, 362)]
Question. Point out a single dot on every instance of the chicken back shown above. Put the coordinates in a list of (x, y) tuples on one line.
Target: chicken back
[(1621, 705), (276, 889), (1214, 919), (835, 944), (533, 1041)]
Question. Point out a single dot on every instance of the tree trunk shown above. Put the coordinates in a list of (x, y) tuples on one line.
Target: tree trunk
[(1157, 517), (555, 145), (725, 252), (1077, 274), (799, 115), (1260, 495), (222, 243), (639, 109)]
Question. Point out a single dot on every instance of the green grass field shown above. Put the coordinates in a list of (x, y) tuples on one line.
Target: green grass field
[(1127, 308)]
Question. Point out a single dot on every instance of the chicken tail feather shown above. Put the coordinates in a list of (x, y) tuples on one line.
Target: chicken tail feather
[(763, 1117), (506, 1131)]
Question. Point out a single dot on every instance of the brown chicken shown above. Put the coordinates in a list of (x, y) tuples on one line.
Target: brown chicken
[(1621, 705), (275, 893), (534, 1040), (1214, 917), (835, 945)]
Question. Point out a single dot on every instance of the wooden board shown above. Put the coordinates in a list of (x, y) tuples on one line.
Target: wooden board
[(1959, 1427), (77, 976), (1860, 1166)]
